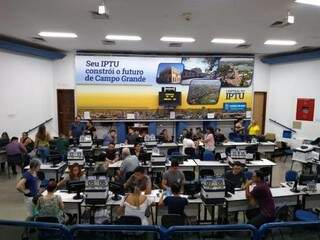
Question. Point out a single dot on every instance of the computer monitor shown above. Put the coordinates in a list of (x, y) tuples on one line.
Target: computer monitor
[(117, 189), (98, 142), (55, 159), (230, 187), (191, 189), (76, 187), (304, 179), (178, 158), (145, 157)]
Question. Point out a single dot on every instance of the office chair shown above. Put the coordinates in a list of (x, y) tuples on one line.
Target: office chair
[(189, 176), (306, 216), (206, 173), (190, 152), (208, 156), (291, 176), (128, 220), (170, 220)]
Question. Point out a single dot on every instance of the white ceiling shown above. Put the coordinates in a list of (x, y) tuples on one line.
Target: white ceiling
[(151, 19)]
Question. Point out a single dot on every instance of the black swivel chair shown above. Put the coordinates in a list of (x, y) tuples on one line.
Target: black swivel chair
[(170, 220), (189, 176)]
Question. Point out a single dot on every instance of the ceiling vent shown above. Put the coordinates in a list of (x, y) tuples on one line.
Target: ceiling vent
[(280, 24), (38, 39), (108, 42), (243, 46), (96, 15), (175, 44)]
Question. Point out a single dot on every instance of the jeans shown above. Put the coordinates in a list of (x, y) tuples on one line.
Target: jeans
[(257, 219), (43, 154)]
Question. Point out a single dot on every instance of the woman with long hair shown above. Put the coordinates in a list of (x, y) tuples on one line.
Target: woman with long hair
[(135, 204), (42, 140), (75, 174)]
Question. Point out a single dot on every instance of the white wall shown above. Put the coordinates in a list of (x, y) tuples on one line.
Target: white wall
[(26, 93), (261, 75), (287, 83)]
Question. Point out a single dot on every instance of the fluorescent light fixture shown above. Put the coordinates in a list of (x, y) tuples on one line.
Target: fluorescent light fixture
[(228, 41), (102, 9), (280, 42), (177, 39), (311, 2), (123, 37), (58, 34)]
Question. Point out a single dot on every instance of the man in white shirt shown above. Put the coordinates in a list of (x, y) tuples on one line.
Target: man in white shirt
[(187, 143)]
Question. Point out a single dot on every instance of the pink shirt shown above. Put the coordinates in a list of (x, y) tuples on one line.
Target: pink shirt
[(209, 144)]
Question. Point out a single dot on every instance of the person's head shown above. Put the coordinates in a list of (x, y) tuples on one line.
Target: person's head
[(139, 173), (75, 171), (52, 186), (239, 120), (77, 119), (90, 123), (130, 130), (188, 135), (184, 131), (35, 165), (5, 135), (254, 122), (42, 132), (210, 130), (24, 135), (237, 167), (137, 147), (14, 139), (174, 165), (111, 146), (258, 176), (125, 153), (112, 132), (165, 131), (198, 130), (175, 188)]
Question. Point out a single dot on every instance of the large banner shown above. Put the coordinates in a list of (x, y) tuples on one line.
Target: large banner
[(113, 86)]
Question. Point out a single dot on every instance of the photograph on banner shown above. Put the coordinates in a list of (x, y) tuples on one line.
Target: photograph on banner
[(113, 86)]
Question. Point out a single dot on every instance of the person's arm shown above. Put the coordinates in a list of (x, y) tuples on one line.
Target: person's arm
[(128, 182), (164, 184), (61, 205), (249, 195), (63, 182), (21, 186), (22, 148), (122, 168), (161, 201), (148, 187)]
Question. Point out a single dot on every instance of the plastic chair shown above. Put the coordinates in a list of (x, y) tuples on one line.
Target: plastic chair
[(208, 156), (170, 220), (206, 173), (306, 216), (291, 176), (189, 176)]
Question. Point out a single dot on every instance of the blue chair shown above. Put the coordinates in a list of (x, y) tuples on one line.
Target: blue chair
[(291, 176), (306, 216), (248, 175), (208, 156)]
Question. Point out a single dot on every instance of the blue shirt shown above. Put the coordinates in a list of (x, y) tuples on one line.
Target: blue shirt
[(31, 184), (77, 129)]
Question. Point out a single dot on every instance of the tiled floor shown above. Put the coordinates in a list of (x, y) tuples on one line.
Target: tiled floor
[(12, 203)]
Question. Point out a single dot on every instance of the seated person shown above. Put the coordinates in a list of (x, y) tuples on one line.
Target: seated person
[(137, 150), (175, 203), (14, 150), (198, 136), (238, 126), (129, 164), (50, 205), (254, 129), (90, 128), (132, 137), (183, 135), (236, 175), (219, 136), (75, 174), (135, 204), (110, 138), (173, 175), (165, 136), (187, 143), (139, 179), (112, 155), (260, 195)]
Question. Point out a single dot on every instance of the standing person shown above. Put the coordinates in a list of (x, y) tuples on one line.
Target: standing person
[(27, 142), (183, 135), (171, 176), (238, 126), (187, 143), (90, 128), (29, 184), (260, 195), (15, 150), (129, 164), (76, 129), (254, 129), (132, 137), (4, 141), (198, 135), (110, 138), (175, 203), (50, 205), (209, 143), (42, 143)]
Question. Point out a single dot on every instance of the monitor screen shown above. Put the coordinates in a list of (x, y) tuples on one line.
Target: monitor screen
[(169, 98)]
